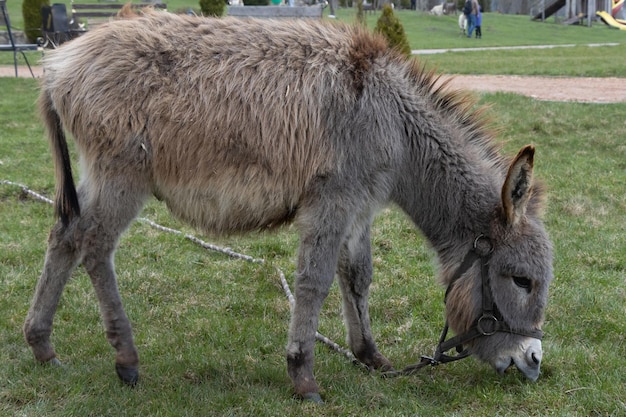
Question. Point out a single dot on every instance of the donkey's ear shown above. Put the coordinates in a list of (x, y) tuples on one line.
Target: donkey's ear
[(518, 185)]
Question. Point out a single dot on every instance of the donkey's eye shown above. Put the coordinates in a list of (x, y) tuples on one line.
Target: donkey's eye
[(523, 282)]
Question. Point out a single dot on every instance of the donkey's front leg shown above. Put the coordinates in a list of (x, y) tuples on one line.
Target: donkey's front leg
[(355, 277), (317, 261), (311, 288)]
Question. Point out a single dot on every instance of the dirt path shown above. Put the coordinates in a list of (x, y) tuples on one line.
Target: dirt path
[(587, 90)]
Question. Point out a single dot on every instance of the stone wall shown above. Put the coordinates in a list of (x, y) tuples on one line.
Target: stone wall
[(18, 37)]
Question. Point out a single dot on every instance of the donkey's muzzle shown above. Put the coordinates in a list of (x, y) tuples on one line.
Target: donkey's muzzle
[(527, 359)]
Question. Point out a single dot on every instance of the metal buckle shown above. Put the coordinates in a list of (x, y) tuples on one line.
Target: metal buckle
[(428, 360), (481, 329), (482, 250)]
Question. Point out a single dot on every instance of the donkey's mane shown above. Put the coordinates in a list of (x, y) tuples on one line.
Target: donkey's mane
[(477, 121), (463, 107)]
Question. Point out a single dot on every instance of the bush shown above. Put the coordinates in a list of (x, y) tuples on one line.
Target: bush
[(390, 27), (212, 7), (31, 12), (360, 15), (405, 4)]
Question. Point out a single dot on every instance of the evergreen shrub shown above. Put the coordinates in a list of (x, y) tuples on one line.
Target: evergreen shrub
[(212, 7), (390, 27), (31, 12)]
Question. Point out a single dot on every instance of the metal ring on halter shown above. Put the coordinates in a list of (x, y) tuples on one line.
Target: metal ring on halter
[(481, 251), (479, 324)]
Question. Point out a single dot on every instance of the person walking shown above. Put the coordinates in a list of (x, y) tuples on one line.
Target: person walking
[(471, 18), (479, 22)]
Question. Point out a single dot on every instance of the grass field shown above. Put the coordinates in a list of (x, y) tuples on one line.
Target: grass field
[(211, 330), (434, 32)]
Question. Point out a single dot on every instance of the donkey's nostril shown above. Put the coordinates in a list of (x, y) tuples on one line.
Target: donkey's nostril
[(535, 359)]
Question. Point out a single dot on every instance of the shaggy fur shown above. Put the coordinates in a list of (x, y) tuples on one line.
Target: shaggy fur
[(242, 125)]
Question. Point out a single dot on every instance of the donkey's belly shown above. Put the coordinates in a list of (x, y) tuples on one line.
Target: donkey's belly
[(231, 207)]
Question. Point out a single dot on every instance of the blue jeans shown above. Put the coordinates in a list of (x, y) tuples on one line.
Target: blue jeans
[(471, 24)]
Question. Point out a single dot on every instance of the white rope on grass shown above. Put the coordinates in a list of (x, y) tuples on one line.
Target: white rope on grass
[(226, 251), (205, 245), (28, 191)]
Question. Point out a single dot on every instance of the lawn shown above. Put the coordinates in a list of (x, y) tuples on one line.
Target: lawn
[(211, 330)]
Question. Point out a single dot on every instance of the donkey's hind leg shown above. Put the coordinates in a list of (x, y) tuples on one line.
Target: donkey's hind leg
[(106, 217), (62, 256), (355, 277), (106, 213)]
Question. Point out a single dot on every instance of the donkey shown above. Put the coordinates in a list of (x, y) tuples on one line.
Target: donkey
[(242, 125)]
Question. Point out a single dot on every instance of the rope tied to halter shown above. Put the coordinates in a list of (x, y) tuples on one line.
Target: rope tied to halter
[(489, 323)]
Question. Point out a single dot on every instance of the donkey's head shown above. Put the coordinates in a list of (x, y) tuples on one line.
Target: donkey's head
[(496, 299)]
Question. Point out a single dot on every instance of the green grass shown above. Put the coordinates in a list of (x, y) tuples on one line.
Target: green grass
[(441, 32), (211, 330), (579, 61)]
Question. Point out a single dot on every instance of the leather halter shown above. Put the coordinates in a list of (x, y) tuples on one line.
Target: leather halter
[(491, 320), (489, 323)]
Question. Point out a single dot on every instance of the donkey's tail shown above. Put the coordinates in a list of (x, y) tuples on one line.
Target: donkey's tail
[(66, 205)]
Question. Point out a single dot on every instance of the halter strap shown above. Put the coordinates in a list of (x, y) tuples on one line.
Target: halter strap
[(489, 323), (491, 320)]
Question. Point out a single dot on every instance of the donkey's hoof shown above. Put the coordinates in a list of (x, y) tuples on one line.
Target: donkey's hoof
[(55, 362), (129, 375), (313, 397)]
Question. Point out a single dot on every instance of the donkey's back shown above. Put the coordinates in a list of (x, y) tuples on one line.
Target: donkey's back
[(225, 120)]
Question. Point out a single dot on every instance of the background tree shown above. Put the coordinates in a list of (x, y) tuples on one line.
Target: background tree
[(360, 15), (31, 11), (212, 7), (390, 27)]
